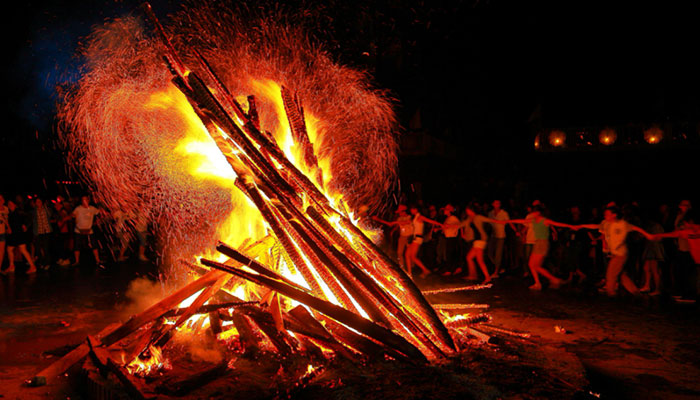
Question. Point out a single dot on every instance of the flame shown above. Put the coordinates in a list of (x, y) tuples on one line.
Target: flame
[(155, 362)]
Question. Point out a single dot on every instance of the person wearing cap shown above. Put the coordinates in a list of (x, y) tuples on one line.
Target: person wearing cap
[(405, 224), (615, 230)]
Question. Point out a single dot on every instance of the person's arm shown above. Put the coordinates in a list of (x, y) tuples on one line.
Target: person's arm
[(646, 234), (675, 234), (381, 221), (559, 224), (515, 221), (430, 221), (586, 226)]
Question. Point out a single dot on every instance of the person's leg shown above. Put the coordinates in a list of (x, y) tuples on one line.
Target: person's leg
[(533, 262), (498, 256), (44, 245), (2, 252), (10, 259), (482, 265), (647, 277), (656, 276), (414, 248), (471, 255), (628, 283), (526, 259), (25, 253), (400, 250), (612, 274)]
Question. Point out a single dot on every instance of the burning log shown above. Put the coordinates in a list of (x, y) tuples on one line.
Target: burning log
[(459, 306), (340, 314), (164, 335), (209, 308), (458, 289), (245, 334), (187, 385)]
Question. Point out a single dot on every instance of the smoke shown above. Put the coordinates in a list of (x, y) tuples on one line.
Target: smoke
[(141, 294)]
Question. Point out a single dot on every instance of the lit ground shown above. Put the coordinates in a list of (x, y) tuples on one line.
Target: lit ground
[(640, 349)]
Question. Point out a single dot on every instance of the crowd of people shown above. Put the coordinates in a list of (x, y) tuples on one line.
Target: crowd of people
[(653, 252), (45, 233)]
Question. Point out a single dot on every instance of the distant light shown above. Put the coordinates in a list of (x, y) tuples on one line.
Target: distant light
[(607, 136), (653, 135), (537, 141), (557, 138)]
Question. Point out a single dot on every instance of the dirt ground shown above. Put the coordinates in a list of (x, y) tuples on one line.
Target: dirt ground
[(625, 348)]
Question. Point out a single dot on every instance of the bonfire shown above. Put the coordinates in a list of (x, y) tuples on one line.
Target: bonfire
[(251, 159)]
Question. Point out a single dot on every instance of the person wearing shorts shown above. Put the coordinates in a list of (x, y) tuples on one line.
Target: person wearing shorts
[(84, 216), (418, 221), (615, 232), (540, 248)]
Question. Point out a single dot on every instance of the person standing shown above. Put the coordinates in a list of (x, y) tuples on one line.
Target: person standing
[(18, 237), (689, 230), (41, 217), (498, 237), (683, 258), (84, 216), (615, 232)]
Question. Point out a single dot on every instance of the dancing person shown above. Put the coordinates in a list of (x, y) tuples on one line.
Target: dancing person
[(683, 257), (478, 245), (615, 232), (4, 228), (652, 256), (84, 215), (404, 223), (689, 231), (450, 231), (18, 237), (541, 227), (576, 247), (418, 222), (498, 238)]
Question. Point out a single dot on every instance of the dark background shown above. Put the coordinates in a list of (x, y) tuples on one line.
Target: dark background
[(474, 82)]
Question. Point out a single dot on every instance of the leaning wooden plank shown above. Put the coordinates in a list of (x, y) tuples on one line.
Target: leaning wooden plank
[(352, 320), (62, 365)]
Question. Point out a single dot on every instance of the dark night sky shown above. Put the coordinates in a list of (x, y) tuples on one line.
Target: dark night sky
[(477, 67)]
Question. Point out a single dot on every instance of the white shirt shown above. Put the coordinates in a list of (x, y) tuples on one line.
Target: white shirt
[(615, 233), (84, 217), (451, 231)]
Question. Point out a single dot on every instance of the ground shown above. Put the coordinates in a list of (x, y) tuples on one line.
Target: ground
[(628, 348)]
